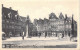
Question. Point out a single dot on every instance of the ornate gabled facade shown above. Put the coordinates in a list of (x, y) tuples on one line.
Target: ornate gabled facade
[(54, 26), (15, 25), (61, 16), (52, 16)]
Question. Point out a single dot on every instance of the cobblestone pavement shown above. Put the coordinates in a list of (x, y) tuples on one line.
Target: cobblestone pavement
[(41, 43), (33, 38)]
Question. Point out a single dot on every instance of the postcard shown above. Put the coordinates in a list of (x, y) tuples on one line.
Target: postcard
[(39, 24)]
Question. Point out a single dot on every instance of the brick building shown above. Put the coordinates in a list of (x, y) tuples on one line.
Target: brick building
[(12, 22)]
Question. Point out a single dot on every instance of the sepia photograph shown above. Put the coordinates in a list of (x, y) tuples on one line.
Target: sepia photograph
[(39, 24)]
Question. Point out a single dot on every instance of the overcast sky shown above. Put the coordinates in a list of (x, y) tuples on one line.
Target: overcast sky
[(41, 9)]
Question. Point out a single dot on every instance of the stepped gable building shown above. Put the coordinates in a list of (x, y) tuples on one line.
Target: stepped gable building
[(54, 26), (14, 25), (11, 22)]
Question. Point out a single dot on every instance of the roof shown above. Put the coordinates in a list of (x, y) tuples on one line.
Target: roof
[(8, 10), (23, 18)]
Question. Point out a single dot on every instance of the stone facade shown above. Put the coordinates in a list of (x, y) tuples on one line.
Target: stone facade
[(14, 25), (54, 26)]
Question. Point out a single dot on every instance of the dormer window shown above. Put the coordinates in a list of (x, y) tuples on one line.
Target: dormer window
[(16, 16), (9, 15)]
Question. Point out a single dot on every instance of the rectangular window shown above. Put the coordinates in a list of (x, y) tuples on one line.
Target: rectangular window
[(3, 26), (7, 26), (12, 26)]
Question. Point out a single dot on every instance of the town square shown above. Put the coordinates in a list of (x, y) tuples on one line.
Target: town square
[(51, 31)]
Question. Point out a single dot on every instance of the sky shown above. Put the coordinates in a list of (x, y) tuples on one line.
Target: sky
[(42, 8)]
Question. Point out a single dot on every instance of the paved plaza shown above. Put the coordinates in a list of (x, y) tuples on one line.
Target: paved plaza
[(42, 42)]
